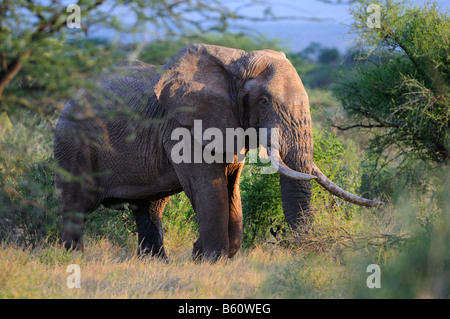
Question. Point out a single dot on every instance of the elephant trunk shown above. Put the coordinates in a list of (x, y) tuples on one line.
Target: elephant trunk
[(295, 169), (296, 200)]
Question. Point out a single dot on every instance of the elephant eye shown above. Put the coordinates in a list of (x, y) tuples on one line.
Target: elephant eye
[(264, 100)]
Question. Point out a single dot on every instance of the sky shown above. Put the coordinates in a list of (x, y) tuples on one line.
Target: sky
[(295, 35), (298, 34), (331, 32)]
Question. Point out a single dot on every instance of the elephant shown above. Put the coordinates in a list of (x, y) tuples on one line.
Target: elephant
[(114, 139)]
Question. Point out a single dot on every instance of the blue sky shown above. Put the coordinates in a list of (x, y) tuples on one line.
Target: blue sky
[(331, 32), (297, 34)]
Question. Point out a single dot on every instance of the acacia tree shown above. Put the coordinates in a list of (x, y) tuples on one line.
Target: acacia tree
[(24, 27), (400, 90)]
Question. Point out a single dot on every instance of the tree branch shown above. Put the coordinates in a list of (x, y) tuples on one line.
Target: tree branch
[(4, 63), (44, 28), (359, 125), (12, 69), (408, 53)]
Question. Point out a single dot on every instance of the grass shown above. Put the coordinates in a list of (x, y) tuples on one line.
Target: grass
[(329, 261), (272, 269), (108, 271)]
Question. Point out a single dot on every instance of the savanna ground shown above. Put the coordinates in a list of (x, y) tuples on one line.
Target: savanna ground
[(408, 237)]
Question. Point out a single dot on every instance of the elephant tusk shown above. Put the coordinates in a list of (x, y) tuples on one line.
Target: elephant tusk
[(339, 192), (276, 161)]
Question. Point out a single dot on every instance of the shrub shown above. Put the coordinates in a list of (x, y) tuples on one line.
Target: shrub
[(28, 205), (421, 268), (261, 204), (403, 95)]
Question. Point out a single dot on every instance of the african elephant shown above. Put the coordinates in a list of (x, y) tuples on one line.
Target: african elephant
[(113, 143)]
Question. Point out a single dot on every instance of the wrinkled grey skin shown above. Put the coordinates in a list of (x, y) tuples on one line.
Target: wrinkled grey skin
[(113, 142)]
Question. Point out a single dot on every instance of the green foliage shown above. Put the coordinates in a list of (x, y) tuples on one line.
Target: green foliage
[(421, 268), (261, 204), (45, 84), (403, 94), (317, 65), (28, 206), (116, 225), (179, 217)]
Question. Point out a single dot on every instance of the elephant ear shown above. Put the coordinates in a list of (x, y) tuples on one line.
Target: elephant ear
[(196, 86)]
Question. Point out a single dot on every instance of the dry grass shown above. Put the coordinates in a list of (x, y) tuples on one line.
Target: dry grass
[(108, 271), (328, 261), (333, 233), (311, 269)]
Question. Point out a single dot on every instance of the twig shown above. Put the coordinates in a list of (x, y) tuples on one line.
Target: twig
[(359, 125)]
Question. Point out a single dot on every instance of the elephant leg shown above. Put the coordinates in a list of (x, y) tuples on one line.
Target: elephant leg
[(148, 222), (73, 225), (197, 250), (206, 188), (75, 203), (235, 221), (76, 196), (235, 214)]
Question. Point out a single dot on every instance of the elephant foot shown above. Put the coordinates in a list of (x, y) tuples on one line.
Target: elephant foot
[(73, 230), (72, 242), (197, 251), (199, 255), (152, 252)]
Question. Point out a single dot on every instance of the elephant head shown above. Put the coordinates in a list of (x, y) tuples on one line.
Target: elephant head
[(227, 88)]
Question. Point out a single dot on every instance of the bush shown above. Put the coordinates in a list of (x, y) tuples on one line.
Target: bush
[(402, 96), (261, 204), (115, 225), (28, 205), (421, 268)]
